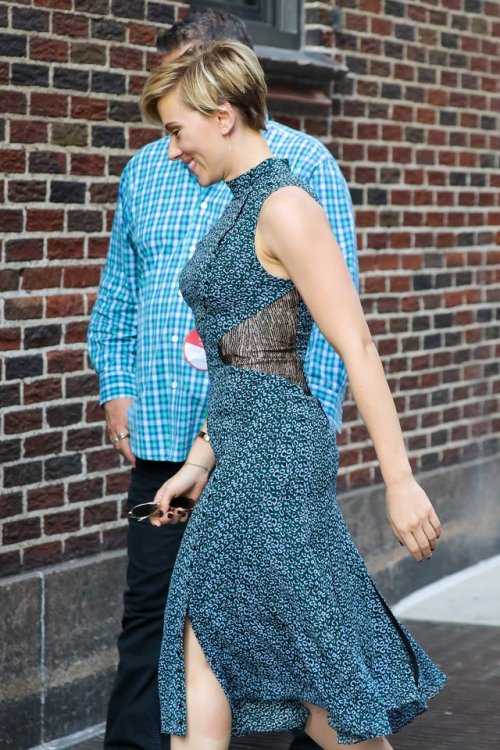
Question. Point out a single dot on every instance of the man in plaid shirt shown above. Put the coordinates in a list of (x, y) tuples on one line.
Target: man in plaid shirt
[(150, 363)]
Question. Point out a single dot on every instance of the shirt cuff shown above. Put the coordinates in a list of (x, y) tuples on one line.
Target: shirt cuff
[(116, 385)]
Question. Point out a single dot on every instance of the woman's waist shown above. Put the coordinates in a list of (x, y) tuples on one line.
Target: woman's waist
[(258, 396)]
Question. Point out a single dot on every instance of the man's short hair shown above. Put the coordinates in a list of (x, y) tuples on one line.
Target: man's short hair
[(203, 25)]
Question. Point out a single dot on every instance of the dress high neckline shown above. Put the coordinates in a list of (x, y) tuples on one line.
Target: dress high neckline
[(241, 184)]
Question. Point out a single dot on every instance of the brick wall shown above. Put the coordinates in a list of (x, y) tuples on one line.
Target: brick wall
[(413, 126)]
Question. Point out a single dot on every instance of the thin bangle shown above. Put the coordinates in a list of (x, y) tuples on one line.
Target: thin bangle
[(190, 463)]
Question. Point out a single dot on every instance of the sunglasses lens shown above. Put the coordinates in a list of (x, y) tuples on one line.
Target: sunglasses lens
[(143, 510)]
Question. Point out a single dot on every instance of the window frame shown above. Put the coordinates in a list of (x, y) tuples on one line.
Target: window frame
[(270, 27)]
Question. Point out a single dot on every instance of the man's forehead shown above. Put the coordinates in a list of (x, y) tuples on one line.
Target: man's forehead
[(176, 52)]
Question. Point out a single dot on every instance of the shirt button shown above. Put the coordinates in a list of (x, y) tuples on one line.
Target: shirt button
[(193, 247), (174, 384), (175, 339), (203, 206), (179, 293)]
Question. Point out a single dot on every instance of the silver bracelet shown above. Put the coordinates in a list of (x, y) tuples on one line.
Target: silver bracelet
[(199, 466)]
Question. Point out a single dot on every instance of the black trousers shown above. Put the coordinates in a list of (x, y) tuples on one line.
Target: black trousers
[(133, 719)]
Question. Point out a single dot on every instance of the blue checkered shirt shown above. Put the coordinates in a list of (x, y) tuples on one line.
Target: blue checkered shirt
[(140, 320)]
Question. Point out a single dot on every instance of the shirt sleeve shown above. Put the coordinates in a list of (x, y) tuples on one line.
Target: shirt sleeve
[(325, 370), (112, 334)]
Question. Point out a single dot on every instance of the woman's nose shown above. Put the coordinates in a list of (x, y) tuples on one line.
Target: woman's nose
[(173, 151)]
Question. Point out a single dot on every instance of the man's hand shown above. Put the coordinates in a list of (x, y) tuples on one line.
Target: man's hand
[(116, 412)]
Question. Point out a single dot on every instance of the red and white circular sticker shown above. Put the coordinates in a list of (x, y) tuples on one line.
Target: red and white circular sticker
[(194, 351)]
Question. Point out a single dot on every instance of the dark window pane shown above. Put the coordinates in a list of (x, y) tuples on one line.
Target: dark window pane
[(275, 23)]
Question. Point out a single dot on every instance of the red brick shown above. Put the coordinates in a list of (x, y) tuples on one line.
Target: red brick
[(46, 389), (101, 513), (41, 555), (84, 438), (49, 105), (82, 545), (25, 249), (98, 247), (64, 248), (88, 489), (139, 137), (12, 161), (23, 308), (61, 523), (102, 460), (25, 421), (21, 531), (127, 57), (94, 412), (355, 22), (381, 26), (43, 445), (67, 360), (402, 113), (144, 35), (13, 101), (65, 305), (11, 220), (45, 220), (41, 277), (117, 483), (53, 50), (69, 24), (81, 276), (114, 538), (57, 4), (87, 164), (76, 333), (378, 153), (9, 280), (86, 108), (10, 338), (28, 131)]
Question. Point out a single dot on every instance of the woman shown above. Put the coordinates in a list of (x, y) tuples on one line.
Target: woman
[(272, 620)]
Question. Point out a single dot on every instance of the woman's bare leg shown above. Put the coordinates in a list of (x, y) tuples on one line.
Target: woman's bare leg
[(208, 710), (317, 728)]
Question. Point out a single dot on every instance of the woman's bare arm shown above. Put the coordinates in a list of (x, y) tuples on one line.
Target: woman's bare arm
[(294, 240)]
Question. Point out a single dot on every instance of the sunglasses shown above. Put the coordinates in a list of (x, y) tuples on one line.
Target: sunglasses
[(151, 510)]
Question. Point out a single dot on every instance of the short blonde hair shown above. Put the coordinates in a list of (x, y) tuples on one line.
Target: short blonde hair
[(208, 75)]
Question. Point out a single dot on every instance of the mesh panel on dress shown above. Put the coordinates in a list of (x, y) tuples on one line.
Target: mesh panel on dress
[(267, 341)]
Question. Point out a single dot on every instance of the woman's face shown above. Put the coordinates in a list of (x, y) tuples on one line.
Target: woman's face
[(195, 139)]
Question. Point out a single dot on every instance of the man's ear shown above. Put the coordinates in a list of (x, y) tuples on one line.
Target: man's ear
[(226, 118)]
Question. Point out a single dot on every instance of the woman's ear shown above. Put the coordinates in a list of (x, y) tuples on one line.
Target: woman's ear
[(226, 118)]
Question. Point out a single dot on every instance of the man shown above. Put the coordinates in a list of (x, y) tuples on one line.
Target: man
[(150, 362)]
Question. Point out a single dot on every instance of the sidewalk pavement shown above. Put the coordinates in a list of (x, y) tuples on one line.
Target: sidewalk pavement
[(457, 622)]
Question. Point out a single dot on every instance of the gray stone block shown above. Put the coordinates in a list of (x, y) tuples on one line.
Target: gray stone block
[(82, 620), (20, 662)]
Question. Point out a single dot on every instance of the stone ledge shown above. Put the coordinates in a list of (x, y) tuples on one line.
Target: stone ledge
[(300, 64)]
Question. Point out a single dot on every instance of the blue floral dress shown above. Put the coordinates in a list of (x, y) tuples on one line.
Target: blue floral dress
[(278, 596)]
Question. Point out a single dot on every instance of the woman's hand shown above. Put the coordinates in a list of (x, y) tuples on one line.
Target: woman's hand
[(189, 481), (413, 519)]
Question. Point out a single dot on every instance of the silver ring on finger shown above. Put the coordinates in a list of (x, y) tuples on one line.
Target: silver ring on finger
[(120, 436)]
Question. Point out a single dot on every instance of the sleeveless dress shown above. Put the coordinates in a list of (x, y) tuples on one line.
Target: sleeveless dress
[(278, 596)]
